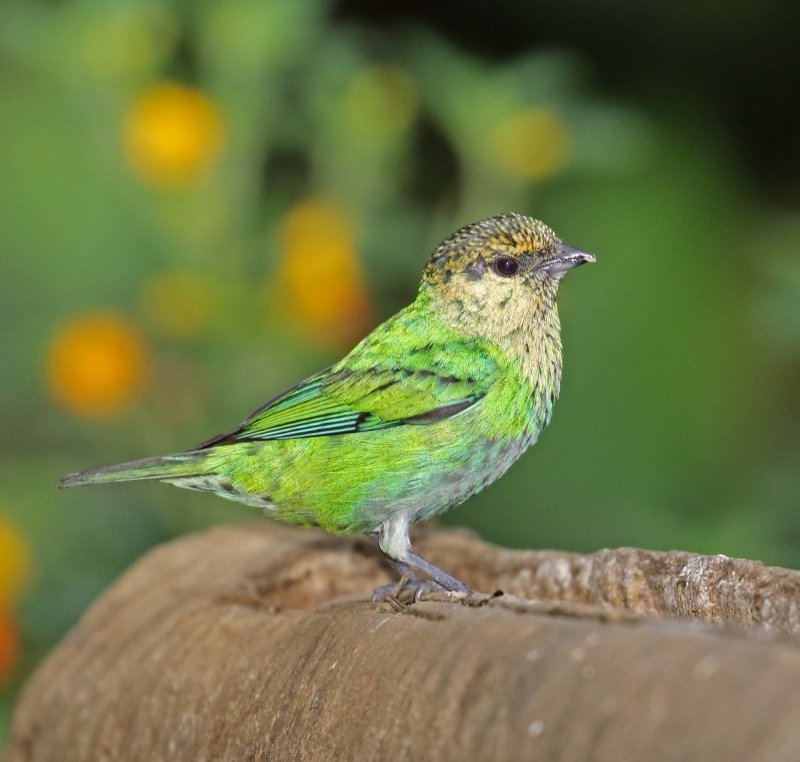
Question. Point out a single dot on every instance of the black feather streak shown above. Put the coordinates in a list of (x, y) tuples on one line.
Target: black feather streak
[(440, 413), (385, 385)]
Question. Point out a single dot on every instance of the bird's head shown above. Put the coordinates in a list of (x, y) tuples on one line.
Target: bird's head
[(503, 271)]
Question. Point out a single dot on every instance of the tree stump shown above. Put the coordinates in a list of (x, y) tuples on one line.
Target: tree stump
[(259, 642)]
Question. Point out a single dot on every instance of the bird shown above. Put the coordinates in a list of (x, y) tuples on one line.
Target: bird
[(430, 407)]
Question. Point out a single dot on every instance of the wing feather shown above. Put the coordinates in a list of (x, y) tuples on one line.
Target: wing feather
[(432, 382)]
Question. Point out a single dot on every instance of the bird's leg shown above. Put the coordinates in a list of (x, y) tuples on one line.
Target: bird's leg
[(400, 567), (435, 574), (416, 573), (407, 577)]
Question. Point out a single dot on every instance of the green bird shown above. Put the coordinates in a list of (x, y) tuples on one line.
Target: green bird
[(429, 408)]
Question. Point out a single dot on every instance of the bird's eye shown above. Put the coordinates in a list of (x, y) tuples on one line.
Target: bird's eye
[(506, 266)]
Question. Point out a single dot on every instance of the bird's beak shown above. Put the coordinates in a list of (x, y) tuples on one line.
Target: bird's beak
[(564, 258)]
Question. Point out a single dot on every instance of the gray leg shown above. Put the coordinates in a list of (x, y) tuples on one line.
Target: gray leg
[(421, 566), (415, 572)]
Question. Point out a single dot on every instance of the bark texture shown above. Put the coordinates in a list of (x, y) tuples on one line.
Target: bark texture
[(259, 642)]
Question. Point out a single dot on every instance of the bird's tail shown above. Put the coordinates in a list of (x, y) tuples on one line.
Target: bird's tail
[(186, 464)]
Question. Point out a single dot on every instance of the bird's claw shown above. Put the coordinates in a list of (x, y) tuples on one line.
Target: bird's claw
[(410, 589), (395, 593), (429, 587)]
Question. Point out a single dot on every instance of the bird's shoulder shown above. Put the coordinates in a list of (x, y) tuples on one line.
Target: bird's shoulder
[(413, 369), (415, 364)]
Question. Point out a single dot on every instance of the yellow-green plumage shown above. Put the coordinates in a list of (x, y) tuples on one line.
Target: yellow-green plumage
[(434, 404)]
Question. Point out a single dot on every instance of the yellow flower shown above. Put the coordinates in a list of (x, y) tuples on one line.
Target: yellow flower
[(179, 304), (533, 144), (320, 283), (97, 365), (14, 563), (173, 134), (381, 100)]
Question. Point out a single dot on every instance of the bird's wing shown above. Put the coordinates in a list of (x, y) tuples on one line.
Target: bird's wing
[(430, 383)]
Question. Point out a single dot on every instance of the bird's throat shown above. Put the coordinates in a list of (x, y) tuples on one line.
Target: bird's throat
[(523, 324)]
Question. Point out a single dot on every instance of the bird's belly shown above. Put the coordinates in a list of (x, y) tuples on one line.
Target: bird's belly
[(353, 483), (487, 463)]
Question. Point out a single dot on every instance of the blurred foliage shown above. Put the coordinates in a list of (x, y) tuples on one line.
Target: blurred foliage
[(201, 203)]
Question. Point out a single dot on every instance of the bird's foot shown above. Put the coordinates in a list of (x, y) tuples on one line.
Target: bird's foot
[(410, 588)]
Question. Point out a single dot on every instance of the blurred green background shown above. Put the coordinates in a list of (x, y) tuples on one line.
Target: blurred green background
[(203, 202)]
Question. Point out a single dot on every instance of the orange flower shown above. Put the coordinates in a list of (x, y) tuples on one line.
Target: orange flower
[(173, 134), (97, 365), (320, 283), (14, 572), (14, 563), (9, 645), (533, 144)]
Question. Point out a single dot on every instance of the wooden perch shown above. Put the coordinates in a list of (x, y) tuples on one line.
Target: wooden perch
[(259, 642)]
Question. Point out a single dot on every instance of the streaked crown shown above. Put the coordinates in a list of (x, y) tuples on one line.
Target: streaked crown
[(473, 247)]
